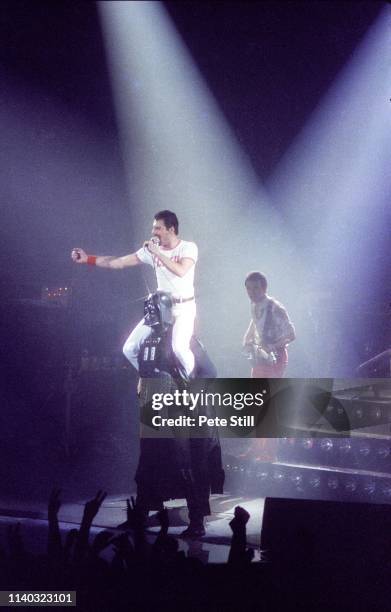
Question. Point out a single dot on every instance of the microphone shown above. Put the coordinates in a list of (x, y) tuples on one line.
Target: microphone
[(154, 239)]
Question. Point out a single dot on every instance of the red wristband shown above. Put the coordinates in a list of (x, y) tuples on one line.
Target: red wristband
[(91, 259)]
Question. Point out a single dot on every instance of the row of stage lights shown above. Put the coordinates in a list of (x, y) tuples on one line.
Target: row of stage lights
[(357, 412), (268, 479), (303, 448)]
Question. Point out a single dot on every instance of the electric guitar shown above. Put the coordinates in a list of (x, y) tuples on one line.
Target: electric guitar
[(258, 355)]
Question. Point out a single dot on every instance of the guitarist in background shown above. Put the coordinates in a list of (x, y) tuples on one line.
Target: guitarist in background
[(269, 332)]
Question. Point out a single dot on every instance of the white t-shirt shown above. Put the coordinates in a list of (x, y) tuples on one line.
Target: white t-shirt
[(178, 286)]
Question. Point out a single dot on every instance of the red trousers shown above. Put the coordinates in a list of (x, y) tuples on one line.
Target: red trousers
[(272, 371)]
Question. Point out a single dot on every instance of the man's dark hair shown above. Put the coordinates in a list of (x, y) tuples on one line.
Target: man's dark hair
[(169, 218), (257, 277)]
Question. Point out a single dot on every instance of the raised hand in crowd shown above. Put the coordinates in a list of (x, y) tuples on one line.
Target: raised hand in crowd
[(240, 520), (91, 509), (70, 544), (164, 522), (238, 553), (165, 546), (54, 536), (15, 542), (136, 521), (54, 504)]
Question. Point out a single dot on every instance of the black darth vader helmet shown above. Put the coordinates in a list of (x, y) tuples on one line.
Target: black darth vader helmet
[(158, 309)]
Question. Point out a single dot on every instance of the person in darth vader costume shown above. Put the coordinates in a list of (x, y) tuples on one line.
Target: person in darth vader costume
[(181, 466)]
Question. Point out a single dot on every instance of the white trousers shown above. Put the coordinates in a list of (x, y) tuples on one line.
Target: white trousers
[(182, 332)]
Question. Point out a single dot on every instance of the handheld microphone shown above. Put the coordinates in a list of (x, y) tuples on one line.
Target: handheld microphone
[(154, 239)]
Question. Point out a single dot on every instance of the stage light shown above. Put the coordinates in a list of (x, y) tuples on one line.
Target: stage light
[(350, 485), (333, 483), (386, 490), (180, 153), (307, 443), (383, 452), (326, 445), (315, 481), (263, 475), (335, 181), (297, 480), (369, 487), (376, 414), (278, 476), (345, 447)]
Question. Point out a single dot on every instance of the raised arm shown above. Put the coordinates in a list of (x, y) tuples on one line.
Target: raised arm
[(105, 261)]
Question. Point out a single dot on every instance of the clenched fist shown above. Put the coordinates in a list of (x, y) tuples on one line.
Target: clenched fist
[(79, 256)]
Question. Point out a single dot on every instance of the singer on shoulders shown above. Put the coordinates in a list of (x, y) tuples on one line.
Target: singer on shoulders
[(174, 262)]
